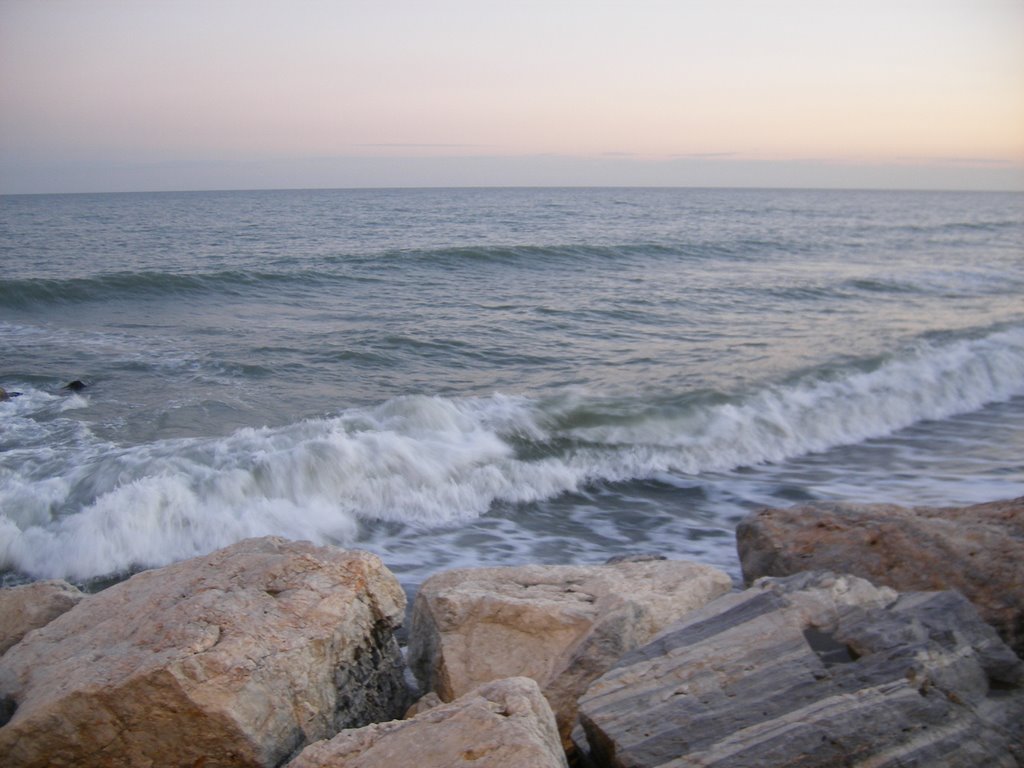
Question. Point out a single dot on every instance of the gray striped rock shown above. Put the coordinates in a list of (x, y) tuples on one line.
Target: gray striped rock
[(561, 625), (238, 658), (814, 670), (976, 550), (498, 725)]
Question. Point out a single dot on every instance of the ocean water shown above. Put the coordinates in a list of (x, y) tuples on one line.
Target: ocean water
[(494, 376)]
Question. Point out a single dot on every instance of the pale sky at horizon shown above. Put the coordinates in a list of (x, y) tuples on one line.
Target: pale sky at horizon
[(113, 95)]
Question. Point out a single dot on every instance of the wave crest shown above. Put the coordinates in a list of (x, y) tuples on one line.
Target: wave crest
[(434, 461)]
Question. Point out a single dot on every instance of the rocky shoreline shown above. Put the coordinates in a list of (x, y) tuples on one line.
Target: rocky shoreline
[(867, 635)]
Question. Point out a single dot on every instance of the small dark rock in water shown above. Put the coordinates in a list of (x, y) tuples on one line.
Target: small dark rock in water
[(5, 395), (74, 386)]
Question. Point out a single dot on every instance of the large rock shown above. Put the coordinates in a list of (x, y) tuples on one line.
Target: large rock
[(976, 550), (31, 606), (814, 670), (559, 625), (500, 724), (238, 658)]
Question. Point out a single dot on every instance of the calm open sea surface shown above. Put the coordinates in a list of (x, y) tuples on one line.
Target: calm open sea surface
[(468, 377)]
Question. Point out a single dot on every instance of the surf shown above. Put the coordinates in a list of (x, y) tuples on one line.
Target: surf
[(77, 506)]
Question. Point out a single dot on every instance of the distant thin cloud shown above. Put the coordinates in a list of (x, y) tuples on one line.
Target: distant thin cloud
[(704, 155), (989, 161), (398, 145)]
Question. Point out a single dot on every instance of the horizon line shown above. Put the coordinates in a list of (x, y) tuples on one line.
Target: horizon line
[(426, 187)]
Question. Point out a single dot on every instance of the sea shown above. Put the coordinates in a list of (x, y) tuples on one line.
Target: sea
[(481, 377)]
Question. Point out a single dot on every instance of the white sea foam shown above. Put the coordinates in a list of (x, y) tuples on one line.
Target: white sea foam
[(820, 411), (76, 506)]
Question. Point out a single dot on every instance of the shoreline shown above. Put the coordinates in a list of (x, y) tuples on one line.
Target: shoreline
[(565, 638)]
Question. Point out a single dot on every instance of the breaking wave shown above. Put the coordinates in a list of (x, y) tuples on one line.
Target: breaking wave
[(78, 507)]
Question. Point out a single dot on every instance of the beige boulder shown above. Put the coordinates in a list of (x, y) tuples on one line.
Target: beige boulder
[(238, 658), (561, 625), (31, 606), (500, 724)]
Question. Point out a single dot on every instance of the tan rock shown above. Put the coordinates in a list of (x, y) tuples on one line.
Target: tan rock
[(238, 658), (560, 625), (976, 550), (422, 704), (31, 606), (501, 724)]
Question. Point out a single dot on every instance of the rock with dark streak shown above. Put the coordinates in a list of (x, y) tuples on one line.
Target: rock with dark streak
[(239, 658), (976, 550), (814, 670)]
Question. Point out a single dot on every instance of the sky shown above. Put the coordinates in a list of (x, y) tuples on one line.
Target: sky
[(132, 95)]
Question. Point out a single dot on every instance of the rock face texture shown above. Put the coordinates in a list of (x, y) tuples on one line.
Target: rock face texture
[(814, 670), (31, 606), (500, 724), (238, 658), (559, 625), (976, 550)]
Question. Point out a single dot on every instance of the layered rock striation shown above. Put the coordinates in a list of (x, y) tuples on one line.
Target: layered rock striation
[(977, 550), (813, 670)]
